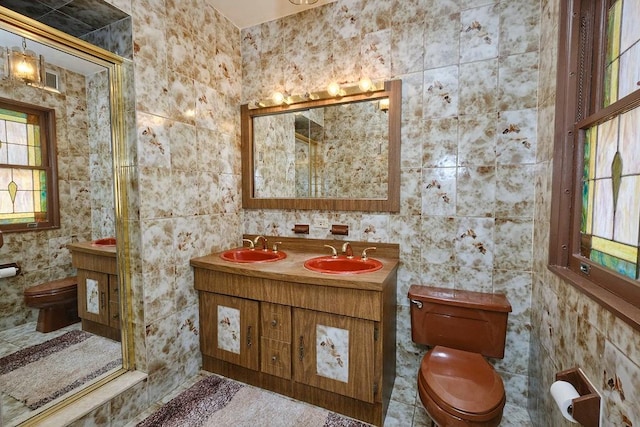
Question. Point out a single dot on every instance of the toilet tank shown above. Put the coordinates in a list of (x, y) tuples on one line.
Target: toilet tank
[(465, 320)]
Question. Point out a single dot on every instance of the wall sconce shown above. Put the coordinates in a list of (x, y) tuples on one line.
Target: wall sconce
[(383, 105), (25, 65), (302, 2)]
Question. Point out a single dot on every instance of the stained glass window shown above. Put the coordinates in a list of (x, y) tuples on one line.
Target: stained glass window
[(622, 72), (610, 221), (26, 169)]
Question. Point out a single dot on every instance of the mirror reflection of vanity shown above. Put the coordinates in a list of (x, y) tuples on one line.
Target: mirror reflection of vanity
[(330, 154)]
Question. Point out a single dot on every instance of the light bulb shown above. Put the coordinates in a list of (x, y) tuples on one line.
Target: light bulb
[(278, 98), (333, 89), (365, 84)]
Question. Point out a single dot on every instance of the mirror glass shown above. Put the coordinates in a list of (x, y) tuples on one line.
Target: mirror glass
[(337, 151), (38, 369), (340, 153)]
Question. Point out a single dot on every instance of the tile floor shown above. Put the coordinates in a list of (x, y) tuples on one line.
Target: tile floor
[(398, 414)]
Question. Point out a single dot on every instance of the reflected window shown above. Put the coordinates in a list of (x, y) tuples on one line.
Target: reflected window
[(28, 187)]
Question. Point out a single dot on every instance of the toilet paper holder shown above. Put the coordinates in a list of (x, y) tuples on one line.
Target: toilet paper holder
[(586, 408)]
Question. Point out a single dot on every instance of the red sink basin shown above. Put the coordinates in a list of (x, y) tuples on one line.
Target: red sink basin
[(342, 265), (107, 241), (251, 255)]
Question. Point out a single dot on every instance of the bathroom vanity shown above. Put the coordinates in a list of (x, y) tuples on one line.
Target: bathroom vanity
[(98, 294), (327, 339)]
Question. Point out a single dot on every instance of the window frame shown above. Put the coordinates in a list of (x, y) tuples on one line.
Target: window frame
[(48, 145), (582, 30)]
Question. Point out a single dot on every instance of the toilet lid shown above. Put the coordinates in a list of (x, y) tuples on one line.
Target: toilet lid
[(462, 382), (57, 286)]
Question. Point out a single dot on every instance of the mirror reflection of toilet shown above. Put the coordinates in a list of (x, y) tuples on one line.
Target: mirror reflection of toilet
[(457, 386), (57, 302)]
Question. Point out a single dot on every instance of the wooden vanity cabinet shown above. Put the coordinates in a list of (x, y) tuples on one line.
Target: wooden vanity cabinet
[(230, 329), (98, 292), (335, 353), (93, 291), (329, 343)]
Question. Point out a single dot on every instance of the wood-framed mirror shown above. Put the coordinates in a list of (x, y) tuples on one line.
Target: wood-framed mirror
[(339, 154)]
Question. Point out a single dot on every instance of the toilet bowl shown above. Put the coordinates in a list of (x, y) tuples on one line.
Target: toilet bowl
[(456, 384), (57, 301)]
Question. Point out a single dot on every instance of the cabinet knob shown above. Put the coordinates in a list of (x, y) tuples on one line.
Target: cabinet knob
[(274, 358), (274, 323)]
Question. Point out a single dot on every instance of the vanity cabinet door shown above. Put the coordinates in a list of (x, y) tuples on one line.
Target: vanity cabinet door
[(334, 353), (93, 296), (229, 329), (114, 302)]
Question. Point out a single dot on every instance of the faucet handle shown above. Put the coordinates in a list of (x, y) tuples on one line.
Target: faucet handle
[(364, 252), (275, 246), (250, 242), (334, 252)]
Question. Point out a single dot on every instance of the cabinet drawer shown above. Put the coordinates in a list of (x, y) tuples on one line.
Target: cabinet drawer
[(276, 321), (275, 358)]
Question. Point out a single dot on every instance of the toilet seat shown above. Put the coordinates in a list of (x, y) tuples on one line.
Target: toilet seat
[(60, 286), (461, 385)]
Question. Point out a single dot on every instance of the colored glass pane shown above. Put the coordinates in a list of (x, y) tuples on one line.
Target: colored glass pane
[(613, 31), (629, 29), (616, 264), (629, 73), (14, 116), (622, 51), (23, 177), (611, 193), (611, 82)]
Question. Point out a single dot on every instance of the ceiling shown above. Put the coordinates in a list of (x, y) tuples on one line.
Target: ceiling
[(247, 13)]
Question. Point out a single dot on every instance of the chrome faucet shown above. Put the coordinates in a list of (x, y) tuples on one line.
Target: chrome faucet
[(264, 242), (250, 242), (347, 250)]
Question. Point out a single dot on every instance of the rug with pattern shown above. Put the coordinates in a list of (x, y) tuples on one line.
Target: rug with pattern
[(217, 401)]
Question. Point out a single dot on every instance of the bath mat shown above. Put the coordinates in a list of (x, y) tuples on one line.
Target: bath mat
[(216, 401), (62, 363)]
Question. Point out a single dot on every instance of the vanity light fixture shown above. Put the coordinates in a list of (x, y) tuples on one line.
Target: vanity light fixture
[(365, 84), (280, 98), (333, 89), (383, 105), (25, 65), (303, 2)]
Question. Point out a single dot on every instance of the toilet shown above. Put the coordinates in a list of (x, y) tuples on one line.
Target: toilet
[(57, 301), (456, 384)]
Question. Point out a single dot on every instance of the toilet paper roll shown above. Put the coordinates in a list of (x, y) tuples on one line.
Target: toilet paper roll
[(8, 272), (563, 393)]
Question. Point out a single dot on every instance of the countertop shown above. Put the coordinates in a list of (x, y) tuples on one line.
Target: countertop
[(91, 248), (291, 269)]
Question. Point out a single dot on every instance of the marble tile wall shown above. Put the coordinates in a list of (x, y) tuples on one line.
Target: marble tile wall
[(469, 140), (43, 256), (184, 178), (569, 329), (182, 175)]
